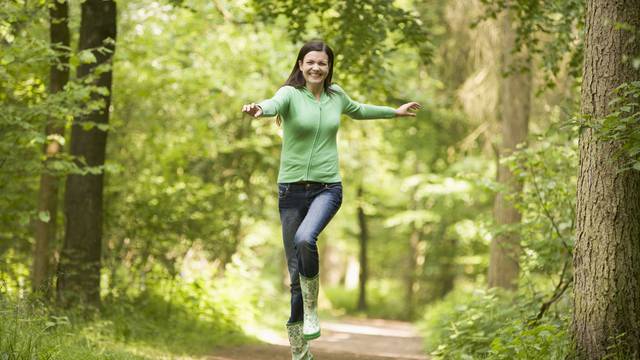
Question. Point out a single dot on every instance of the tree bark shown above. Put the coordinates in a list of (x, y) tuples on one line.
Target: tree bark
[(45, 231), (79, 267), (364, 239), (515, 100), (607, 251)]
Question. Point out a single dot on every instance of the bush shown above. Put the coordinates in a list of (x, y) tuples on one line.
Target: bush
[(494, 324)]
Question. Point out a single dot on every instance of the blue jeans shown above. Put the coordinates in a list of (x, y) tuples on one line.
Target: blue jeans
[(305, 210)]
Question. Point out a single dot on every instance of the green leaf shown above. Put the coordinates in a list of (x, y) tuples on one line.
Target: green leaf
[(87, 57), (87, 125), (8, 58), (44, 216)]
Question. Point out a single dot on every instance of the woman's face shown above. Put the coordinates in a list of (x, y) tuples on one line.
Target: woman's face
[(314, 67)]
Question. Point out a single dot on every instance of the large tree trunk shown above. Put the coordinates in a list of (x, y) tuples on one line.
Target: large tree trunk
[(45, 231), (515, 100), (364, 239), (607, 250), (79, 268)]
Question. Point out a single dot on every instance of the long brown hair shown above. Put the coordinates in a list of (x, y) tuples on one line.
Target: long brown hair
[(296, 78)]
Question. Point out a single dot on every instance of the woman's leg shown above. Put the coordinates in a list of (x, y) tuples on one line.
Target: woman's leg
[(324, 205), (292, 211)]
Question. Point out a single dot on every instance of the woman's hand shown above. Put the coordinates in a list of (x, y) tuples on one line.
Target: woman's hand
[(252, 109), (403, 110)]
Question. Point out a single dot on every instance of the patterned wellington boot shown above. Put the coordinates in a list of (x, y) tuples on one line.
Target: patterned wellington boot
[(299, 346), (309, 286)]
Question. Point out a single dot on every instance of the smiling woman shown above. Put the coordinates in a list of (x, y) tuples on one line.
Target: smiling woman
[(309, 182), (313, 69)]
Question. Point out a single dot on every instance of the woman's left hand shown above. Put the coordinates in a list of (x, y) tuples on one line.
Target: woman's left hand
[(403, 110)]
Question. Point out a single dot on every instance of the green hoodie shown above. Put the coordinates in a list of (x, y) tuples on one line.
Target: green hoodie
[(309, 150)]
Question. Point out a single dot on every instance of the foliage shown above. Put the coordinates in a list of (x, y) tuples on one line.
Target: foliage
[(493, 324), (362, 33), (167, 319), (548, 168), (620, 125), (551, 30), (531, 323), (27, 108), (196, 169), (22, 99), (31, 330)]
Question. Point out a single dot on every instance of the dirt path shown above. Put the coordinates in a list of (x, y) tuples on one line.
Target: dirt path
[(347, 339)]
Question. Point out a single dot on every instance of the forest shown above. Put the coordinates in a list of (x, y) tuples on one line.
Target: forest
[(139, 205)]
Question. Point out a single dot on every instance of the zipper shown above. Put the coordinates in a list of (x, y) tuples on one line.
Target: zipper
[(314, 140)]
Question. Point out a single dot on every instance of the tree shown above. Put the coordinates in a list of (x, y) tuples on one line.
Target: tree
[(48, 195), (79, 267), (607, 252), (514, 98), (363, 237)]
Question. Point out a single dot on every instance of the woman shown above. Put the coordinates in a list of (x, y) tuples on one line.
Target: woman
[(309, 183)]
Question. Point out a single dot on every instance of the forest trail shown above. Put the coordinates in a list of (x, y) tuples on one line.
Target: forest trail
[(344, 339)]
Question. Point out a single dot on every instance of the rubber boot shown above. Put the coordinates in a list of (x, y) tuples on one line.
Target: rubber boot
[(309, 286), (299, 346)]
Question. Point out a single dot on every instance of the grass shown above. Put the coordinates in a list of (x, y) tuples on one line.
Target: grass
[(147, 327)]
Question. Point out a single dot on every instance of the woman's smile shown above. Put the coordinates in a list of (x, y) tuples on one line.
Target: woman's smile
[(314, 66)]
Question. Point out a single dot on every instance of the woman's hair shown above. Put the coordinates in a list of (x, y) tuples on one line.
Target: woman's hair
[(296, 78)]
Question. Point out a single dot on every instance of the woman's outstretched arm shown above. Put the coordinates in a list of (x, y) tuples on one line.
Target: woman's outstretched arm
[(360, 111), (277, 105)]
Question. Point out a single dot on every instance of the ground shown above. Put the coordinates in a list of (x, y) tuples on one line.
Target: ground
[(346, 339)]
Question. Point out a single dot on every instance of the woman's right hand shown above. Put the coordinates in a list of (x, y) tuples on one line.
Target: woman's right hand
[(252, 109)]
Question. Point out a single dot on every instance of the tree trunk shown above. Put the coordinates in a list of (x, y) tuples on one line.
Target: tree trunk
[(415, 257), (79, 268), (364, 239), (607, 250), (45, 231), (411, 268), (515, 95)]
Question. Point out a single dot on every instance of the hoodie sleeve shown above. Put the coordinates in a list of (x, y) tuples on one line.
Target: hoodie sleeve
[(278, 104), (360, 111)]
